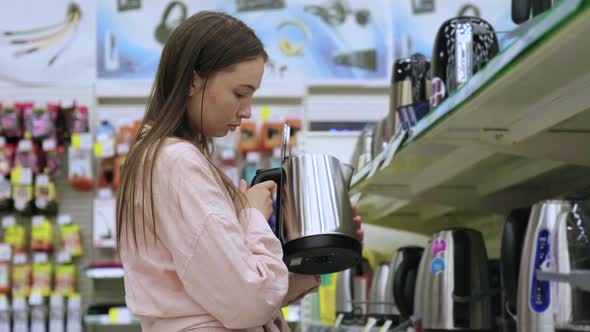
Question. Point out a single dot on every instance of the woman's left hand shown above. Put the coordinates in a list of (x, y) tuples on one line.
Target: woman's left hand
[(359, 228)]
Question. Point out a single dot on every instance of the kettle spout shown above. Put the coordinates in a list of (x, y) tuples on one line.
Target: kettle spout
[(347, 172)]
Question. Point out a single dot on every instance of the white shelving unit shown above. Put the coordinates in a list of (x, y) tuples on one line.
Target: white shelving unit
[(515, 134)]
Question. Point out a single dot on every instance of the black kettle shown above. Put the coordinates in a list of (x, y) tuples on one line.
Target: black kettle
[(511, 251), (407, 261), (463, 46), (410, 91)]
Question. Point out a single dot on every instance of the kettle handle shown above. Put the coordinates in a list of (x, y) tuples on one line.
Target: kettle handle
[(404, 282), (273, 174)]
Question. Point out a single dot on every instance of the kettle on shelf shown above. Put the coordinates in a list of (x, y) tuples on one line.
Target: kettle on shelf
[(406, 263), (463, 45), (453, 288), (314, 215), (554, 278)]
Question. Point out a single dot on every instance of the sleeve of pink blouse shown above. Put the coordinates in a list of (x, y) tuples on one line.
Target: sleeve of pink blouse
[(231, 265)]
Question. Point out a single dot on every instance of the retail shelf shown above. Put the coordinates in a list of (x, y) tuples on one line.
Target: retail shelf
[(105, 320), (511, 136)]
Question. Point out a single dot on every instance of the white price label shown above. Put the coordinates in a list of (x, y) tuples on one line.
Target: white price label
[(386, 326), (20, 258), (5, 252), (26, 176), (64, 257), (371, 322), (38, 220), (123, 148), (8, 221), (36, 298), (41, 257), (49, 144), (42, 180), (64, 219), (393, 146)]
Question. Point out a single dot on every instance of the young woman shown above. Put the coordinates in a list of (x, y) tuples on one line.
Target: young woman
[(198, 252)]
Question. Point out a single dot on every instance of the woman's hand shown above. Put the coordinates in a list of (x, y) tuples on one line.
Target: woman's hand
[(359, 228), (260, 196)]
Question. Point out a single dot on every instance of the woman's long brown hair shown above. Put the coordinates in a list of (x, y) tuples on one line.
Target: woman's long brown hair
[(205, 43)]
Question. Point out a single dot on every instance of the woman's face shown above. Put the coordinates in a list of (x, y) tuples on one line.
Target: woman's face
[(227, 98)]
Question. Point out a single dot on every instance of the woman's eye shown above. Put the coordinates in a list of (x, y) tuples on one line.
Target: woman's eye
[(238, 95)]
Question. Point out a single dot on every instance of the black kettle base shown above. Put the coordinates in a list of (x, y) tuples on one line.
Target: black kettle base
[(322, 254), (457, 329)]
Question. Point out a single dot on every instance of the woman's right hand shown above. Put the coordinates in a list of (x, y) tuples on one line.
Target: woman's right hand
[(260, 196)]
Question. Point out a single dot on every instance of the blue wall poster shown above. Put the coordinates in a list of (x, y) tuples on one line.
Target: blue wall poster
[(416, 22), (330, 41)]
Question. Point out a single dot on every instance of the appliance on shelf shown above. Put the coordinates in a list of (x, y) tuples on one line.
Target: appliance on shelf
[(463, 46), (452, 287), (554, 279), (314, 216)]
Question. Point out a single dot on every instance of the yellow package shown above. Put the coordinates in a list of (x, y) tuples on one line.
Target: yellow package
[(65, 280), (15, 235), (42, 234), (42, 273), (21, 280), (327, 294), (70, 239)]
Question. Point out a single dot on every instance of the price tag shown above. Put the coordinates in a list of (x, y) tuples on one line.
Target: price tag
[(36, 298), (375, 164), (371, 322), (5, 252), (49, 144), (63, 257), (42, 180), (123, 148), (392, 147), (64, 219), (20, 258), (40, 258), (8, 221), (25, 145), (38, 220), (98, 150), (386, 326)]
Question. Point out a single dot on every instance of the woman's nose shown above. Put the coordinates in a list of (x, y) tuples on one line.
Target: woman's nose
[(245, 112)]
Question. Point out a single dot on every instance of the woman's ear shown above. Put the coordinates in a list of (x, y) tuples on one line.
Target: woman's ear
[(196, 84)]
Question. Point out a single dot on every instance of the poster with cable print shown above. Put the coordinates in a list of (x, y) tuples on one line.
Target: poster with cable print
[(331, 41), (47, 42)]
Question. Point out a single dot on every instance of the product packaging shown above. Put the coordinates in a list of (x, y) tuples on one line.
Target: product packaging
[(80, 169), (5, 268), (296, 126), (65, 279), (14, 235), (71, 242), (53, 157), (272, 135), (11, 121), (45, 195), (249, 140), (41, 234), (21, 276), (42, 278)]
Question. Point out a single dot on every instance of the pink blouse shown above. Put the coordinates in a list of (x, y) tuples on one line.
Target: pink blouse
[(208, 268)]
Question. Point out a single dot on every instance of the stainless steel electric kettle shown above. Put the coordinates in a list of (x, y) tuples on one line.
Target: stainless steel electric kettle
[(314, 215), (452, 287)]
